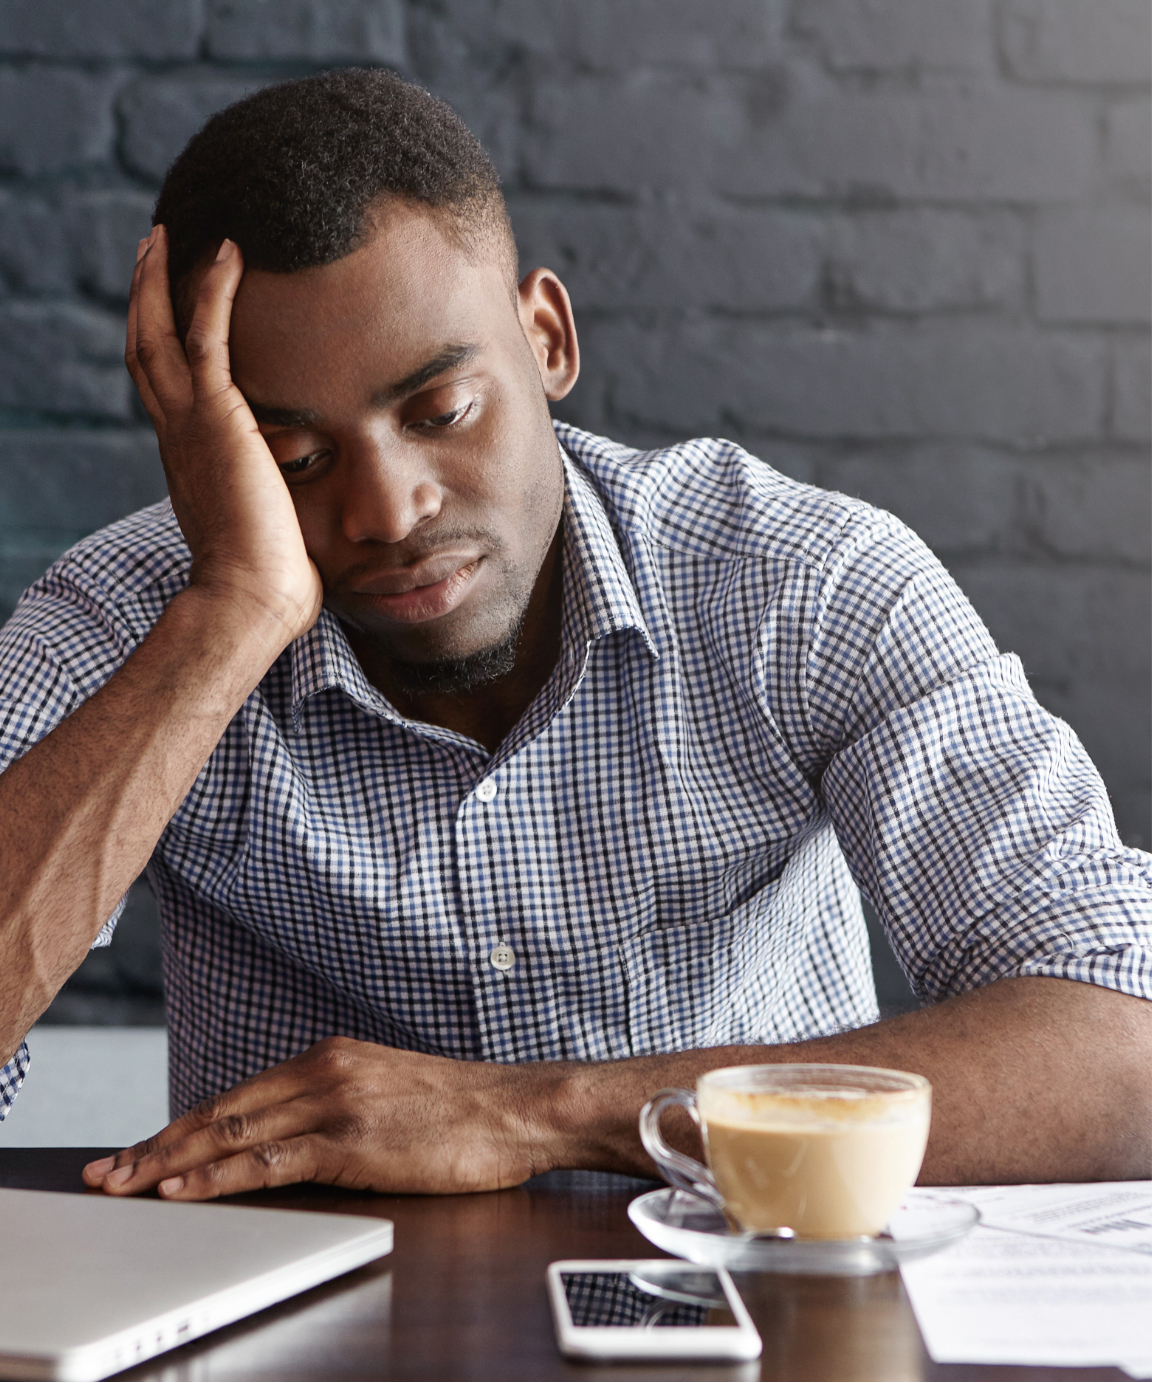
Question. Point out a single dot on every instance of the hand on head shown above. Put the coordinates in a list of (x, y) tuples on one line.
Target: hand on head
[(227, 492)]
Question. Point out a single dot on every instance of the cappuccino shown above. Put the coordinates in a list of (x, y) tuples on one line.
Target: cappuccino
[(819, 1151), (826, 1161)]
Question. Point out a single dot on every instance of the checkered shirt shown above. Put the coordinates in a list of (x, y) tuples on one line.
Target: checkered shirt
[(767, 697)]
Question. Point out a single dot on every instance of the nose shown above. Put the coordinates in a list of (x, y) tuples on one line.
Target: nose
[(389, 493)]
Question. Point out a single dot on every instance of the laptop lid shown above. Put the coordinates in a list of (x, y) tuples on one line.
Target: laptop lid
[(92, 1284)]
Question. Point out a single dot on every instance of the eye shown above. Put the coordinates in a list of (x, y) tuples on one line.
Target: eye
[(449, 419), (302, 465)]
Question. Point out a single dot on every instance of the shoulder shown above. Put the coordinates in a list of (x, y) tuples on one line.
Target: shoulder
[(710, 499), (125, 573)]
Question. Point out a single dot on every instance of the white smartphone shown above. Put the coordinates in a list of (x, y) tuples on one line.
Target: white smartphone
[(656, 1308)]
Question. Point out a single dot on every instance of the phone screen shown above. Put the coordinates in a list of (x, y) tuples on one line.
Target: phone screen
[(679, 1295)]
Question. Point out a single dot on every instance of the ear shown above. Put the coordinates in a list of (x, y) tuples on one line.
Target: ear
[(546, 318)]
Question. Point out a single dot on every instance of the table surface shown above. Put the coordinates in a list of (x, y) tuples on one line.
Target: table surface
[(462, 1296)]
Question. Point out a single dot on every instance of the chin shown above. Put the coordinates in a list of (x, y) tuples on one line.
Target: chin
[(441, 656)]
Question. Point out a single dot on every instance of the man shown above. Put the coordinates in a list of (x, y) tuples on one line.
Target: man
[(488, 785)]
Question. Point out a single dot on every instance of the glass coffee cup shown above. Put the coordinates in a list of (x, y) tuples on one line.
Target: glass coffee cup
[(805, 1151)]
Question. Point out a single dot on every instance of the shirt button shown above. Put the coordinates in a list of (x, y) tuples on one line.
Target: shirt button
[(503, 957), (486, 791)]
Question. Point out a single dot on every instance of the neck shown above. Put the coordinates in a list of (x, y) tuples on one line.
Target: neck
[(488, 712)]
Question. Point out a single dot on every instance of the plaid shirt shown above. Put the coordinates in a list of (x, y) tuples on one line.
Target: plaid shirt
[(768, 696)]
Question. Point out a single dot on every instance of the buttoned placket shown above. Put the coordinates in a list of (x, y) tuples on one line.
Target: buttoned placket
[(481, 821)]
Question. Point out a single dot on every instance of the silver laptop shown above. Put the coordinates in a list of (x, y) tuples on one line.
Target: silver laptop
[(90, 1285)]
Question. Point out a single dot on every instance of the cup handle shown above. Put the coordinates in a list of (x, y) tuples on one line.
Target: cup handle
[(676, 1168)]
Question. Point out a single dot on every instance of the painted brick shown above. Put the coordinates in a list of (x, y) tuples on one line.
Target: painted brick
[(1094, 264), (76, 481), (82, 241), (916, 259), (676, 257), (604, 35), (161, 114), (362, 31), (967, 500), (1132, 390), (63, 359), (1065, 623), (34, 251), (595, 131), (105, 227), (126, 29), (1129, 143), (960, 499), (1090, 507), (893, 35), (794, 133), (52, 119), (939, 380), (1093, 41)]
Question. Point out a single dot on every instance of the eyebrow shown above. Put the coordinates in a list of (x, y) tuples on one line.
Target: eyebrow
[(443, 360), (283, 417)]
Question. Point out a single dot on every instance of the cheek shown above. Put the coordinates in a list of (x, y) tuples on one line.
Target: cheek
[(318, 517), (524, 471)]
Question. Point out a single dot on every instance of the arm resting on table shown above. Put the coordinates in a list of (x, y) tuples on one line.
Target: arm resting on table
[(1034, 1079)]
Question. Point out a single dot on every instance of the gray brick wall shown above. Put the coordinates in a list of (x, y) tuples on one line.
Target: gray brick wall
[(898, 247)]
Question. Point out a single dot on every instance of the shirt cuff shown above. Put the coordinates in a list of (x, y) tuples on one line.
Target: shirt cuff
[(12, 1078)]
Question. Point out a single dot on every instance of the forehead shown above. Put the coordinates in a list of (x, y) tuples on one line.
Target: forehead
[(409, 288)]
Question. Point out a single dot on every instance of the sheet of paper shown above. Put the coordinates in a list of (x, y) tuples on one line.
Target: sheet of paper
[(1116, 1213), (1002, 1296)]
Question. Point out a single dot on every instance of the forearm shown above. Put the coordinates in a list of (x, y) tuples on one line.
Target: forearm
[(1033, 1080), (81, 812)]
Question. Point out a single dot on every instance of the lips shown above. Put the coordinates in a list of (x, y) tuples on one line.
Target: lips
[(424, 590)]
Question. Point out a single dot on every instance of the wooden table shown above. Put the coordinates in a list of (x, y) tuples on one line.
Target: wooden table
[(462, 1296)]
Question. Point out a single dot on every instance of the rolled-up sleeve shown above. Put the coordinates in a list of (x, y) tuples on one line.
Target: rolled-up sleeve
[(12, 1078), (972, 819), (55, 652)]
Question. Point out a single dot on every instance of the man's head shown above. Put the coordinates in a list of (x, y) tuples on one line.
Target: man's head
[(396, 370), (296, 175)]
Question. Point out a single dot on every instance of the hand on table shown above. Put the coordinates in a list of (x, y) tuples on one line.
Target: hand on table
[(347, 1113)]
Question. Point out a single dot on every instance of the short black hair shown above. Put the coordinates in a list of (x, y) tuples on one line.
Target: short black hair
[(291, 174)]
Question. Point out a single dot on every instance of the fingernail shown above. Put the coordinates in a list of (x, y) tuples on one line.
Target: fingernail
[(224, 251), (170, 1185), (101, 1168), (120, 1175)]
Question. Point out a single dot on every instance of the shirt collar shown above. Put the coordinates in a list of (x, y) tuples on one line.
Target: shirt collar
[(599, 599)]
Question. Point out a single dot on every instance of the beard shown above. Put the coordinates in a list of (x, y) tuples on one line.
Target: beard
[(444, 670), (460, 674)]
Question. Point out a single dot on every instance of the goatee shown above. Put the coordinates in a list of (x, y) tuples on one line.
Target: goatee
[(459, 674)]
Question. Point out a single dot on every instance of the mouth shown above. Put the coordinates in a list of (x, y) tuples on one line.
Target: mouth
[(423, 591)]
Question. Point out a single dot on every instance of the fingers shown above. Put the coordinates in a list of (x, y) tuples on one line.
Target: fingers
[(190, 1156), (272, 1163), (268, 1106), (130, 359), (206, 344), (154, 355), (248, 1097)]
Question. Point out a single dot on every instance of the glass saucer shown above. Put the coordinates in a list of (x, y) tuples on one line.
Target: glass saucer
[(690, 1228)]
